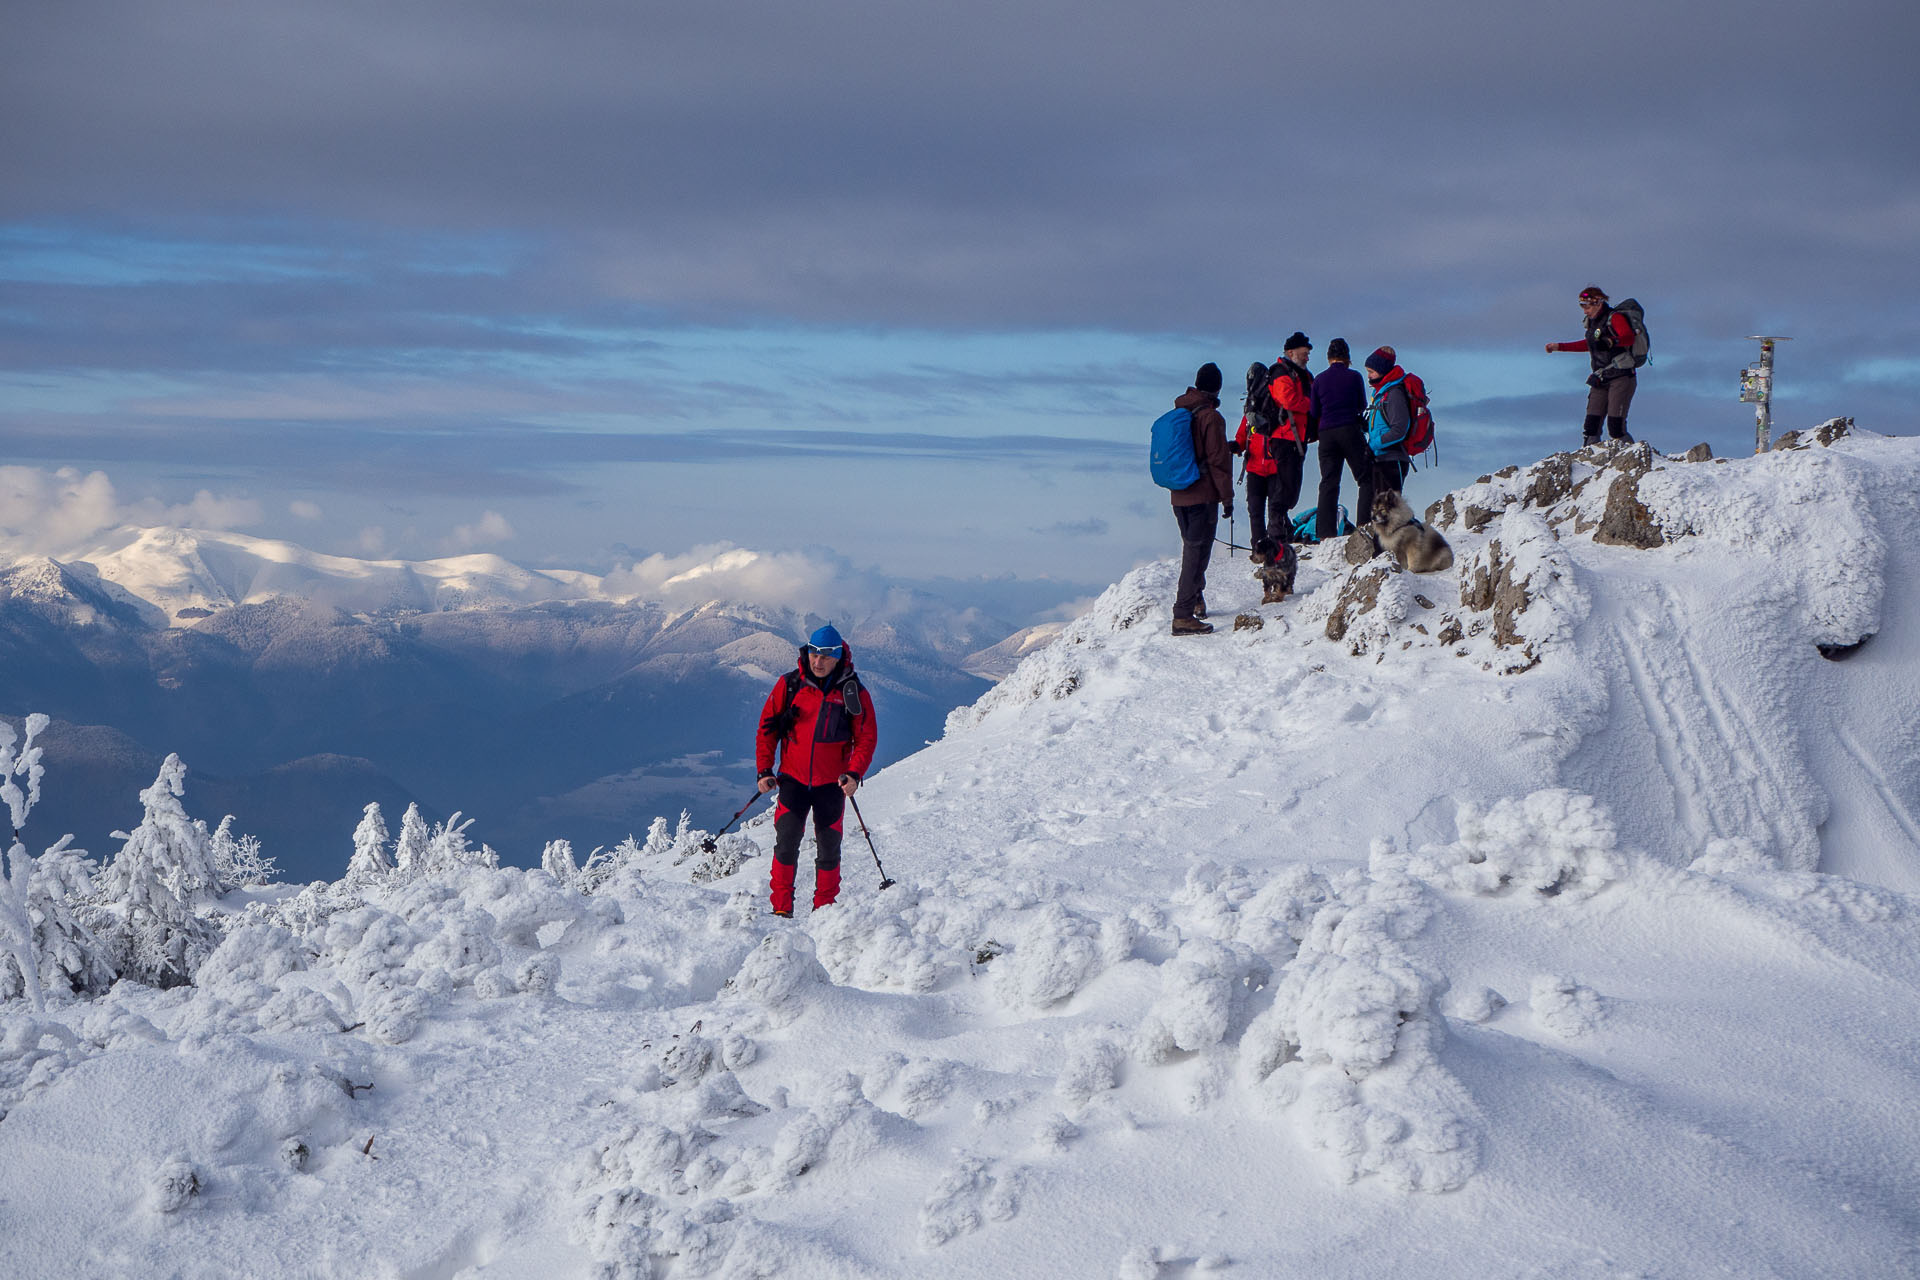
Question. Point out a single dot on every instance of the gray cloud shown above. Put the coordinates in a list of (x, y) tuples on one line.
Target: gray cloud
[(1411, 169)]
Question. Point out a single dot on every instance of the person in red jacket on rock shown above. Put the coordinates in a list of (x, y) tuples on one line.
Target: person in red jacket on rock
[(1612, 382), (821, 719)]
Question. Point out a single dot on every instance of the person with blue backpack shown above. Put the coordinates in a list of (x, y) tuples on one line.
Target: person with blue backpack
[(1389, 418), (1191, 458)]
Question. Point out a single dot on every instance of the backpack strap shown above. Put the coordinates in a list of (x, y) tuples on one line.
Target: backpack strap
[(779, 726)]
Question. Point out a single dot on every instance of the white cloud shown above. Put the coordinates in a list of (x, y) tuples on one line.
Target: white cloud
[(492, 527), (304, 509), (804, 581), (59, 512), (373, 541)]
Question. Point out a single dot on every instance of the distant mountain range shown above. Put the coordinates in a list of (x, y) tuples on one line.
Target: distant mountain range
[(299, 686)]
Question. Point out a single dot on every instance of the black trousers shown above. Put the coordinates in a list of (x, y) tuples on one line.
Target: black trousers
[(1270, 499), (1388, 474), (1198, 524), (829, 807), (1343, 447)]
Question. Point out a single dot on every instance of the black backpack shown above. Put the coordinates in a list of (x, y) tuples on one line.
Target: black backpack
[(1263, 415)]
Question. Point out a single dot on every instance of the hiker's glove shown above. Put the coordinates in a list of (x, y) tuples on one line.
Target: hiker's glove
[(1226, 509), (1236, 448), (849, 782), (1593, 379), (766, 783)]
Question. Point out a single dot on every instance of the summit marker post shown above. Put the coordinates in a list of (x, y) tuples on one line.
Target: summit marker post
[(1756, 388)]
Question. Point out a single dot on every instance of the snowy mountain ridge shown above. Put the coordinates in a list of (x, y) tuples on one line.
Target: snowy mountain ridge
[(1555, 915)]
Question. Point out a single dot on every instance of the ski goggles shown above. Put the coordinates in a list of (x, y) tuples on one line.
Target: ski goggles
[(826, 651)]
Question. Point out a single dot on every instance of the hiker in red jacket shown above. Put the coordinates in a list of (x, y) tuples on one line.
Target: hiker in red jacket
[(821, 719), (1274, 461), (1609, 341)]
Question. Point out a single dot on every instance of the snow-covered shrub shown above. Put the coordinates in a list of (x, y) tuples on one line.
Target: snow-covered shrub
[(777, 973), (1353, 1038), (1197, 996), (864, 942), (1053, 956), (1565, 1007), (1552, 842), (174, 1186), (447, 848), (557, 861), (237, 860), (147, 911)]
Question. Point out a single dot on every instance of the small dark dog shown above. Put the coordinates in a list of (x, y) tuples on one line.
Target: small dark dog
[(1278, 563)]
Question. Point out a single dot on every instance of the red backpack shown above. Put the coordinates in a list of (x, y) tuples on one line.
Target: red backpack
[(1420, 431)]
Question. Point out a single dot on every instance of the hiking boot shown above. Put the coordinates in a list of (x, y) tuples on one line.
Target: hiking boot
[(1191, 627), (1200, 608)]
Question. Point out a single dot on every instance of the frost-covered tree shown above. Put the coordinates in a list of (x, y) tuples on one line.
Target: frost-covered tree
[(70, 959), (16, 924), (557, 861), (602, 863), (410, 851), (237, 861), (370, 861), (447, 848), (147, 909)]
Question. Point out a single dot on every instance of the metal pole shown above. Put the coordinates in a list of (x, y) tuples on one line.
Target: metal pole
[(1756, 386)]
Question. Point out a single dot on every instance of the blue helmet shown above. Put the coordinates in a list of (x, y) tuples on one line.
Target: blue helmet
[(827, 641)]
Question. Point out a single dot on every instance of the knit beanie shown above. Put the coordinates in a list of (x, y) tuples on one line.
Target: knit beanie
[(1380, 361), (825, 640), (1208, 379), (1592, 293), (1337, 350), (1298, 340)]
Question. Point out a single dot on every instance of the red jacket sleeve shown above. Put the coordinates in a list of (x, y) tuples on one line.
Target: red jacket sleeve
[(763, 742), (1288, 395), (1622, 335), (866, 736), (1240, 436)]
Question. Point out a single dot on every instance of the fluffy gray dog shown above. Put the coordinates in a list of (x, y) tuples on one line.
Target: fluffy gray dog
[(1418, 548)]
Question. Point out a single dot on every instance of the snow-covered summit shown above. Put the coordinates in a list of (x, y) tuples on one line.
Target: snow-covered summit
[(1553, 915), (190, 572)]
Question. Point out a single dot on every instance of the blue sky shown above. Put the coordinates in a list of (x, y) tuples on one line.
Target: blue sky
[(900, 284)]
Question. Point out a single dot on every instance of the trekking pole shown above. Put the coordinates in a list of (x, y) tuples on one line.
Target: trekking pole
[(885, 881), (707, 844)]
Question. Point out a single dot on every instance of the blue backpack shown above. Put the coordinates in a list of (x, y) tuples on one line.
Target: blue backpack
[(1172, 460), (1303, 525), (1378, 429)]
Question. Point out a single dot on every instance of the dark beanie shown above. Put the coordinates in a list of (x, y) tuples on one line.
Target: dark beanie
[(1298, 340), (1380, 361), (1337, 350), (1208, 379)]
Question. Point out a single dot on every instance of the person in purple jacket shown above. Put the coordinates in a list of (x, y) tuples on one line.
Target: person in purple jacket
[(1340, 404)]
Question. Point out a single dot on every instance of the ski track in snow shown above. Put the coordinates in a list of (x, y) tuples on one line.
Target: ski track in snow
[(1243, 954)]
